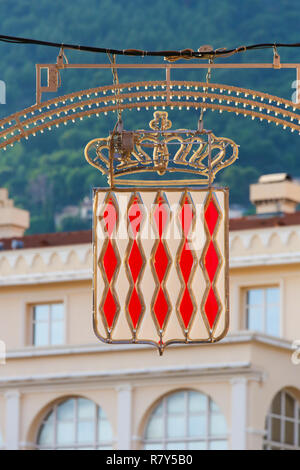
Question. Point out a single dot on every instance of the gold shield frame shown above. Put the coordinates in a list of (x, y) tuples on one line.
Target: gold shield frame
[(147, 331)]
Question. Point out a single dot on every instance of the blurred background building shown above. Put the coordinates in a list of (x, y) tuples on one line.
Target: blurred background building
[(62, 389)]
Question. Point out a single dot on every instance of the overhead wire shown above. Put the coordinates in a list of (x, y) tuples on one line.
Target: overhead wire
[(167, 54)]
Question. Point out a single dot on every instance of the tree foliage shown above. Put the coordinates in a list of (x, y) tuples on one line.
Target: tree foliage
[(48, 172)]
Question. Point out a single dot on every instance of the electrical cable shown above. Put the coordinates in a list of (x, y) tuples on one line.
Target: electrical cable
[(168, 55)]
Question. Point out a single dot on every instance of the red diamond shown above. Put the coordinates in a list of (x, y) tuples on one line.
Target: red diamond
[(211, 261), (135, 216), (211, 307), (109, 261), (186, 262), (135, 261), (211, 216), (186, 308), (109, 308), (110, 217), (134, 307), (161, 261), (161, 307)]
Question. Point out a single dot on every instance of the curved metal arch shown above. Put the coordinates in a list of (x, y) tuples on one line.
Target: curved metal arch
[(147, 94)]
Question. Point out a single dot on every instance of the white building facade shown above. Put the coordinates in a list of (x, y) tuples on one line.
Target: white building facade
[(62, 389)]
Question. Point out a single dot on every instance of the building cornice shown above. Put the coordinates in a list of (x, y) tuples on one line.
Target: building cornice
[(268, 259), (45, 253), (237, 338), (265, 234), (46, 265), (228, 370), (46, 278)]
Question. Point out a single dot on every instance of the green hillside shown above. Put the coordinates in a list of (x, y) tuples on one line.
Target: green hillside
[(49, 172)]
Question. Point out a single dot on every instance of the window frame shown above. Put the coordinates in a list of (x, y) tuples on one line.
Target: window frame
[(95, 445), (281, 445), (207, 438), (32, 323), (264, 288)]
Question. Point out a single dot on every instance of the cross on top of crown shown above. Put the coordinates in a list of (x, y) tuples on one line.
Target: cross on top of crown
[(160, 121)]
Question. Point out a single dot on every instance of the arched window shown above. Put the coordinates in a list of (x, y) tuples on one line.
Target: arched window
[(75, 423), (283, 423), (186, 420)]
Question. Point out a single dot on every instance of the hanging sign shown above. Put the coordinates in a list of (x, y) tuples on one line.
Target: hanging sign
[(161, 243), (161, 265)]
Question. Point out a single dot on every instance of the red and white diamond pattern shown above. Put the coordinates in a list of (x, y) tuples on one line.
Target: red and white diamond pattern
[(109, 261), (186, 262), (161, 262), (135, 261), (162, 289), (212, 260)]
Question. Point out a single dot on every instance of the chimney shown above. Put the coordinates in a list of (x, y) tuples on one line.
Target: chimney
[(13, 221), (275, 193)]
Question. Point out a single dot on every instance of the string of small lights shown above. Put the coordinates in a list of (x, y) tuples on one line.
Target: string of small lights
[(204, 52)]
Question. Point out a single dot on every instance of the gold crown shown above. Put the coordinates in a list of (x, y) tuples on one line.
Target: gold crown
[(124, 153)]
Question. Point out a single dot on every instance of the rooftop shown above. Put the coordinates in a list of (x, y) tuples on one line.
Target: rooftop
[(48, 239), (255, 221)]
